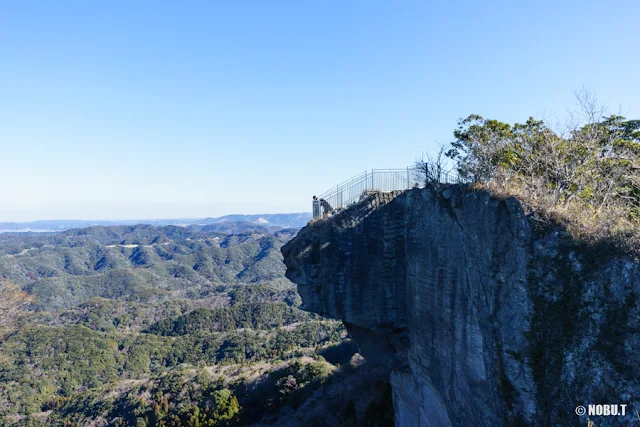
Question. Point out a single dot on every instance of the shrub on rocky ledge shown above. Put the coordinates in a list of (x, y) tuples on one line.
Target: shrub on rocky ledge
[(587, 176)]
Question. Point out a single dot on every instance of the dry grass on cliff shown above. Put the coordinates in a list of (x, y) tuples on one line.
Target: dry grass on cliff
[(581, 221), (583, 174)]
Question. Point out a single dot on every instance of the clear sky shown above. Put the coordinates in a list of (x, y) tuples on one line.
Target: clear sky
[(156, 109)]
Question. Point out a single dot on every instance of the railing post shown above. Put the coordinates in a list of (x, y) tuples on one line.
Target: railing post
[(408, 182)]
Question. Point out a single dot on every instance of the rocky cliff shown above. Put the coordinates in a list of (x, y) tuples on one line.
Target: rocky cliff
[(485, 318)]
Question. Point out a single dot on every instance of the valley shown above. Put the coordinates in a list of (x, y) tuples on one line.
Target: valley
[(166, 326)]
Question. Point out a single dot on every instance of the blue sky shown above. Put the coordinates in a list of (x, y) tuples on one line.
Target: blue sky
[(156, 109)]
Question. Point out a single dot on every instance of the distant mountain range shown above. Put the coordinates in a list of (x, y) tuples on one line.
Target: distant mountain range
[(290, 220)]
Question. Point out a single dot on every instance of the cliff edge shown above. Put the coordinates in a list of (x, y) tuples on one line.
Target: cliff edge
[(485, 318)]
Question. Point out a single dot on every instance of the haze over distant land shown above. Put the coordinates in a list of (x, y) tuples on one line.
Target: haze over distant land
[(286, 220), (139, 210)]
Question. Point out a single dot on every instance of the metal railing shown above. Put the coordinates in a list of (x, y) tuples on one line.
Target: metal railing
[(385, 180)]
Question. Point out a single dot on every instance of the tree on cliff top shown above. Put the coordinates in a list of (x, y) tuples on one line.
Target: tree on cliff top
[(589, 173)]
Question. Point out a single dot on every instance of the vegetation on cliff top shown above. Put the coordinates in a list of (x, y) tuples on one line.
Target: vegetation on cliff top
[(586, 175)]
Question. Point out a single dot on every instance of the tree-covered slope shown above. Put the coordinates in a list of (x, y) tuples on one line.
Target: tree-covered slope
[(169, 326), (137, 263)]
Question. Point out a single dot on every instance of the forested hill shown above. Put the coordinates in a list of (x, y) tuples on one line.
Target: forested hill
[(140, 325), (139, 263)]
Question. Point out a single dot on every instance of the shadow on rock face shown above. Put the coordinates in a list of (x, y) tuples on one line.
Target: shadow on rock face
[(481, 317)]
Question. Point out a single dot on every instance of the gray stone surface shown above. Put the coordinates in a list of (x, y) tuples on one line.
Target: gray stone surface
[(486, 318)]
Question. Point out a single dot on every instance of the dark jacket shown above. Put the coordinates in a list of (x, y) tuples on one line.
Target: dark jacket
[(326, 207)]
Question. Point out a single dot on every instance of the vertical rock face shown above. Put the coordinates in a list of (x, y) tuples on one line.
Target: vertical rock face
[(484, 320)]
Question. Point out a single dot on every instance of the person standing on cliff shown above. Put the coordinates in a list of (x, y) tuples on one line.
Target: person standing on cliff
[(316, 207), (326, 207)]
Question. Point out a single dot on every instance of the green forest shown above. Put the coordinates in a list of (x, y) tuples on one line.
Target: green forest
[(171, 326)]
